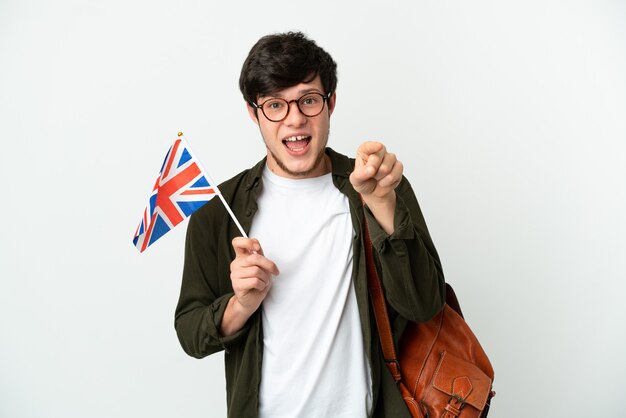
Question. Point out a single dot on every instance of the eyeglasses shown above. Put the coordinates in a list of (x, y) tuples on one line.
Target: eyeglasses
[(276, 109)]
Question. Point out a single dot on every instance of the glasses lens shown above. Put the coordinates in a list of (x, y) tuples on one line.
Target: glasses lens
[(275, 109), (311, 104)]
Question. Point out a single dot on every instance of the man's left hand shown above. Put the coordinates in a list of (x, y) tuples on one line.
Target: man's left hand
[(376, 172), (376, 175)]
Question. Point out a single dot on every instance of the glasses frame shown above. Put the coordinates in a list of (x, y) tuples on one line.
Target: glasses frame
[(325, 99)]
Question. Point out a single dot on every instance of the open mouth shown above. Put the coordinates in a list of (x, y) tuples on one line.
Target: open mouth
[(297, 143)]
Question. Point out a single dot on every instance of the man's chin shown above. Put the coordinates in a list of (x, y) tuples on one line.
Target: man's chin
[(302, 171), (296, 171)]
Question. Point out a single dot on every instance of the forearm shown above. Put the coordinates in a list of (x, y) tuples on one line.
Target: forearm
[(413, 278), (383, 210), (411, 271), (234, 318), (199, 327), (196, 334)]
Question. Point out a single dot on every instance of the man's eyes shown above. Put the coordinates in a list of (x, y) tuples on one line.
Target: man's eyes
[(275, 105), (311, 100)]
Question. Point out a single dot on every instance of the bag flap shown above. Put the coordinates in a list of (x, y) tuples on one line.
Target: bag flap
[(459, 378)]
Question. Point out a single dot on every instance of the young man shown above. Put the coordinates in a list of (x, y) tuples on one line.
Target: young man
[(290, 306)]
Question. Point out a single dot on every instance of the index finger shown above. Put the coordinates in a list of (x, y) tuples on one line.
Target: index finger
[(366, 149), (244, 246)]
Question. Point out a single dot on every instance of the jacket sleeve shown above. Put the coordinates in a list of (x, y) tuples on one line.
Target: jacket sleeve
[(408, 262), (205, 291)]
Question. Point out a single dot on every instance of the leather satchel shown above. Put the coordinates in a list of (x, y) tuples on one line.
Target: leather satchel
[(441, 370)]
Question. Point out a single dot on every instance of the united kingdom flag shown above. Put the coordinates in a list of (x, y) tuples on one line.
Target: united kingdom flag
[(181, 189)]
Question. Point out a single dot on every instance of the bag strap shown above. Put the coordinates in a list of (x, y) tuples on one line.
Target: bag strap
[(380, 308)]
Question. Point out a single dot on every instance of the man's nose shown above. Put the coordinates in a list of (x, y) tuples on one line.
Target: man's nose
[(295, 117)]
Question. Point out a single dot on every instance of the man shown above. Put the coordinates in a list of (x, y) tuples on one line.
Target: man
[(290, 306)]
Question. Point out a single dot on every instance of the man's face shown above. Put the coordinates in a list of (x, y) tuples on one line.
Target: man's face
[(295, 145)]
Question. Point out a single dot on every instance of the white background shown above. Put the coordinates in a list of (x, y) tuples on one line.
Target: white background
[(510, 117)]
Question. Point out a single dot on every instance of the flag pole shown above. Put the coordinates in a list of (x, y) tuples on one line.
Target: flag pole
[(232, 215), (218, 192)]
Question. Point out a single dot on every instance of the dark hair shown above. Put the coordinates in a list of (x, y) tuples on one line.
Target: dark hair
[(284, 60)]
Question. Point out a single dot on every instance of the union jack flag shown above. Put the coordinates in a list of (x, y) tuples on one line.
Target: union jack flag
[(181, 188)]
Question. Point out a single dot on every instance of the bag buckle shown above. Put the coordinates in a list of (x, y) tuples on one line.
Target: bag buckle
[(461, 401), (454, 406)]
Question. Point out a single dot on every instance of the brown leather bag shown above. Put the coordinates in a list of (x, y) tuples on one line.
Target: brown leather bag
[(442, 371)]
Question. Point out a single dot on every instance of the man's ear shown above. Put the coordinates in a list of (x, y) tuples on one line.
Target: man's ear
[(331, 103), (252, 111)]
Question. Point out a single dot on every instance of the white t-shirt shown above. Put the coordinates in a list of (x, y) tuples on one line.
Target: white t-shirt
[(314, 362)]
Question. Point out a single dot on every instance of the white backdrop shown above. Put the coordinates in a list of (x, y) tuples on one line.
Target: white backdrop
[(510, 118)]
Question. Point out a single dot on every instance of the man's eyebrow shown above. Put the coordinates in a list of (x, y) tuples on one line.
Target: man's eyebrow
[(300, 92), (310, 90)]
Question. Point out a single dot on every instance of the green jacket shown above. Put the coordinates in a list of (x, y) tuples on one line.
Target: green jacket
[(407, 260)]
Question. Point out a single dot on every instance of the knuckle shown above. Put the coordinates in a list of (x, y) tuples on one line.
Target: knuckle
[(258, 284), (255, 258), (235, 283)]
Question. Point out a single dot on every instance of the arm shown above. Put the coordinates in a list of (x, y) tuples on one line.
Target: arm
[(408, 262), (410, 269), (218, 294), (204, 292)]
